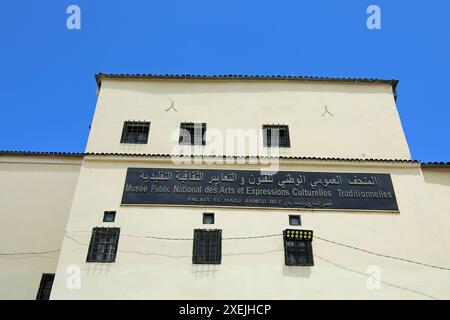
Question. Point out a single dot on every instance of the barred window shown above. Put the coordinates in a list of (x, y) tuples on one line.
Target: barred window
[(276, 136), (207, 247), (45, 287), (135, 132), (103, 245), (298, 247), (192, 133)]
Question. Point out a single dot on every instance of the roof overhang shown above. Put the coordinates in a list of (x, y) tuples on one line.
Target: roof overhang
[(100, 76), (436, 165), (152, 155)]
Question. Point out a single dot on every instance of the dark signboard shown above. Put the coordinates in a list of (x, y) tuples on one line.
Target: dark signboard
[(245, 188)]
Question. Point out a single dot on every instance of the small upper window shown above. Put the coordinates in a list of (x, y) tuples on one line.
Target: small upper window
[(298, 247), (207, 247), (276, 136), (135, 132), (208, 218), (45, 287), (103, 245), (192, 133), (109, 216), (294, 220)]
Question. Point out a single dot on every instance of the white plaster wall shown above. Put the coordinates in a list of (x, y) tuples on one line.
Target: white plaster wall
[(359, 111), (254, 269), (35, 199), (437, 183)]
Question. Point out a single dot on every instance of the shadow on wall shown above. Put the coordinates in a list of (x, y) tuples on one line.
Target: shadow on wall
[(168, 87), (97, 269), (204, 270), (297, 272), (441, 177)]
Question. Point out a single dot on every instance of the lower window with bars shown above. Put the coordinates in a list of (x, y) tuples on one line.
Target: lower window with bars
[(103, 245), (298, 247), (45, 287), (207, 246)]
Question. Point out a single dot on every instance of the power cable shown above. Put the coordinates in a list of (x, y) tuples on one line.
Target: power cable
[(383, 255), (240, 238)]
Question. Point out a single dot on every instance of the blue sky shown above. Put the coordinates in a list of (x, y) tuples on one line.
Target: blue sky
[(47, 87)]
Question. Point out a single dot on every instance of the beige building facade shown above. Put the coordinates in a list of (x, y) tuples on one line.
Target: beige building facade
[(166, 161)]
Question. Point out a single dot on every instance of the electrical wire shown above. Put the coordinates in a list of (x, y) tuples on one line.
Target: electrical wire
[(383, 255), (254, 237), (239, 238), (28, 253), (157, 238), (186, 239), (191, 239)]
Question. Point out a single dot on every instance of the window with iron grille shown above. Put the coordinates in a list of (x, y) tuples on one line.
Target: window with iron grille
[(207, 247), (276, 136), (298, 248), (103, 245), (192, 133), (135, 132), (45, 287)]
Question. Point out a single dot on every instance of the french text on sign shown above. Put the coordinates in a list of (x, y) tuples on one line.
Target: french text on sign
[(247, 188)]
